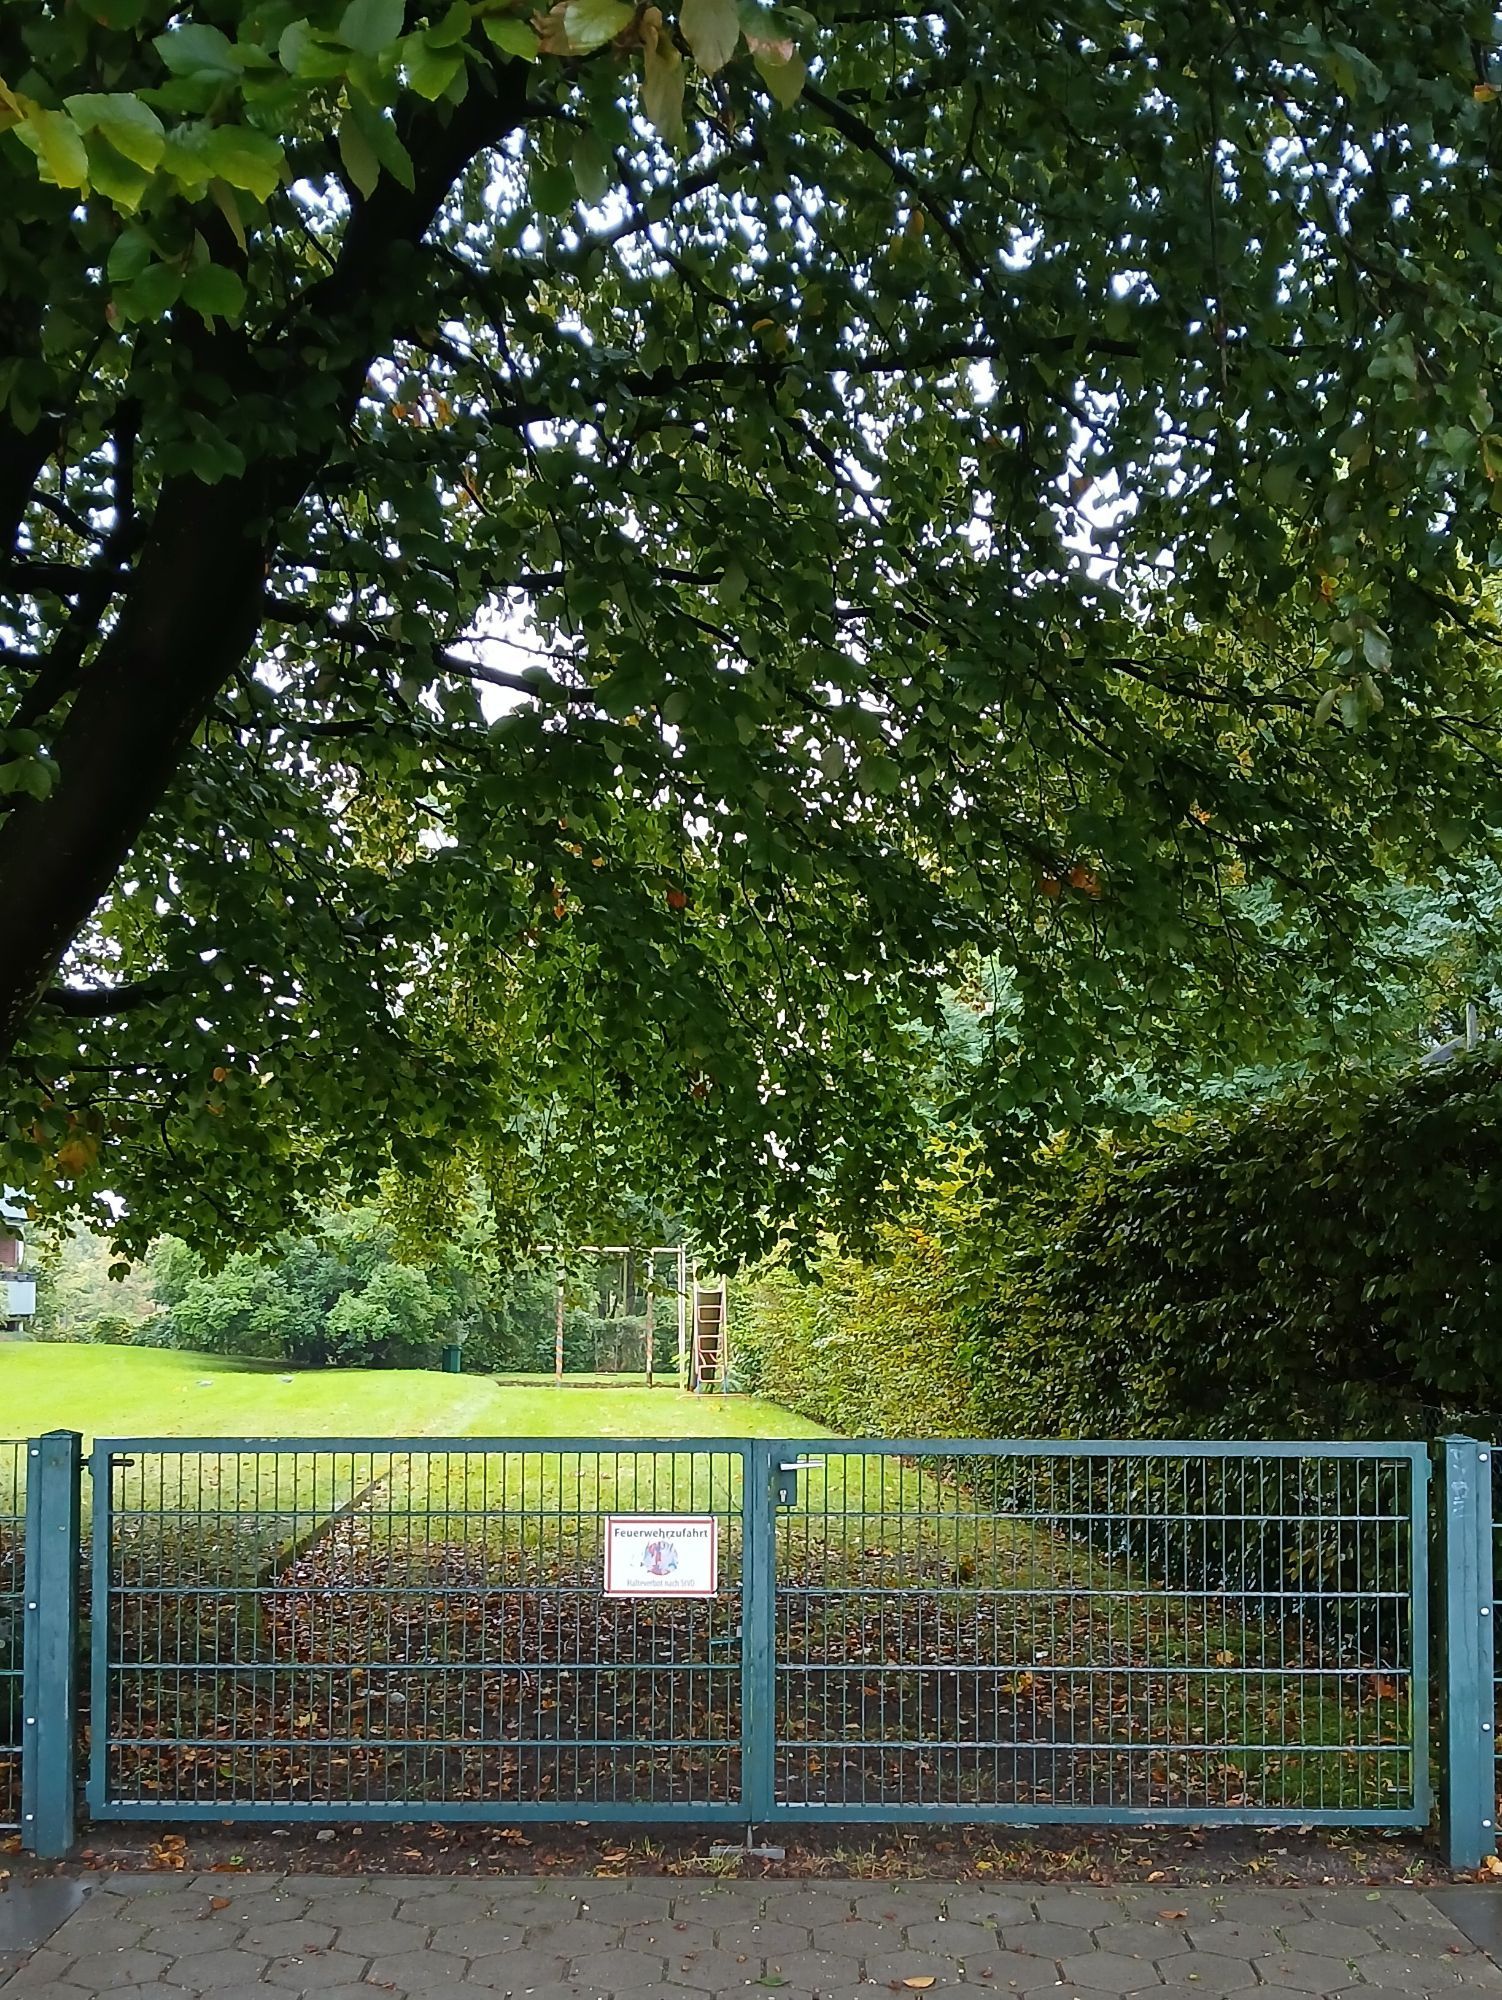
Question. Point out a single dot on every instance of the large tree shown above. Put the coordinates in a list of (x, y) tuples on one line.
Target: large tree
[(559, 575)]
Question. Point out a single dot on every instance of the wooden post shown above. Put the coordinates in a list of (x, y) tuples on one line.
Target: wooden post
[(649, 1330), (682, 1317), (558, 1335)]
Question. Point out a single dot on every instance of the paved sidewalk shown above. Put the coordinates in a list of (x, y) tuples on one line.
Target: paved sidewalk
[(233, 1937)]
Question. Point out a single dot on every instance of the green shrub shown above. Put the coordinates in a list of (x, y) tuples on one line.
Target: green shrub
[(1322, 1266), (871, 1349)]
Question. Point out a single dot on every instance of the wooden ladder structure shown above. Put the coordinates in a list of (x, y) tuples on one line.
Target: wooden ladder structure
[(711, 1348)]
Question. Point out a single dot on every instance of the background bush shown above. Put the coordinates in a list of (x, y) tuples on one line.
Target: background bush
[(1327, 1265)]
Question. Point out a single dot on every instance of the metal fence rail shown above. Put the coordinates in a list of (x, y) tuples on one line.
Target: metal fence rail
[(1102, 1632), (12, 1624), (407, 1629)]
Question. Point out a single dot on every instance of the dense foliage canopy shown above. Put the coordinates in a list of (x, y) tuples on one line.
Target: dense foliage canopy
[(561, 577)]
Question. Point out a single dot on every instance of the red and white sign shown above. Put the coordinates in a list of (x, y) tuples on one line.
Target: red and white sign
[(662, 1555)]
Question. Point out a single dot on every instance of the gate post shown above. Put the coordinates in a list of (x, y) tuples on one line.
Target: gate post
[(759, 1636), (1468, 1777), (50, 1638)]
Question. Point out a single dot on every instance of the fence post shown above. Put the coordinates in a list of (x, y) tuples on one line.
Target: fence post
[(758, 1630), (1468, 1779), (50, 1640)]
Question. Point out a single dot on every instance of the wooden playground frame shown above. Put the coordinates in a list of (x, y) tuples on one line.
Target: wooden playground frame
[(702, 1313)]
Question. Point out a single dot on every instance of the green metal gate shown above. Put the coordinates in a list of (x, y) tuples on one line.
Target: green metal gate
[(365, 1628)]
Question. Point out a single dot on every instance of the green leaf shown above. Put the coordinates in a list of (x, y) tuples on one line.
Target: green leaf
[(119, 180), (371, 26), (454, 26), (196, 49), (662, 84), (593, 168), (513, 36), (130, 253), (1377, 648), (430, 71), (589, 24), (711, 28), (378, 130), (58, 145), (291, 44), (152, 294), (358, 155), (785, 80), (215, 292), (242, 156), (131, 127)]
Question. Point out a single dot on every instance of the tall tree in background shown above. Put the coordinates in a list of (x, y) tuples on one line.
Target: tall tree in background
[(559, 573)]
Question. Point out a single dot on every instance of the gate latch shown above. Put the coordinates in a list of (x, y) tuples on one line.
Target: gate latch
[(787, 1478)]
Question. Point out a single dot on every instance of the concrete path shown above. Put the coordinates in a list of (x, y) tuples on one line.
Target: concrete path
[(234, 1937)]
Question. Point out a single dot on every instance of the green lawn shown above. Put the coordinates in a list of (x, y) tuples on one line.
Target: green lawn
[(154, 1392)]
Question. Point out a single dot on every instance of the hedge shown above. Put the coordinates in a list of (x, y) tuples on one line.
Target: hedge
[(1329, 1264)]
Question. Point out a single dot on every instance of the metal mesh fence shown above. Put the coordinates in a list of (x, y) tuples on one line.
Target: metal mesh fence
[(1101, 1632), (898, 1630), (12, 1623), (410, 1631)]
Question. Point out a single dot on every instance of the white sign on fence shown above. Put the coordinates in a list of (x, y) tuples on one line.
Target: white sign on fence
[(662, 1555)]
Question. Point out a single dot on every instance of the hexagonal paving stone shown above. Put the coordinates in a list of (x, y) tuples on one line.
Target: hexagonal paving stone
[(207, 1971), (480, 1936), (708, 1971), (1086, 1907), (100, 1971), (310, 1972), (812, 1902), (503, 1970), (412, 1969), (376, 1936), (1303, 1972), (1046, 1940), (1235, 1938), (277, 1939), (890, 1968), (1259, 1906), (622, 1968), (165, 1906), (625, 1902), (573, 1936), (668, 1935), (1010, 1970), (1342, 1906), (816, 1971), (193, 1934), (44, 1968), (907, 1902), (1402, 1972), (951, 1940), (1340, 1941), (1142, 1940), (235, 1990), (855, 1936), (767, 1937), (550, 1990), (1109, 1972), (1207, 1971), (95, 1929)]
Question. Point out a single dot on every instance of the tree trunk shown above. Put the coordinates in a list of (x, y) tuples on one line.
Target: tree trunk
[(192, 615)]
